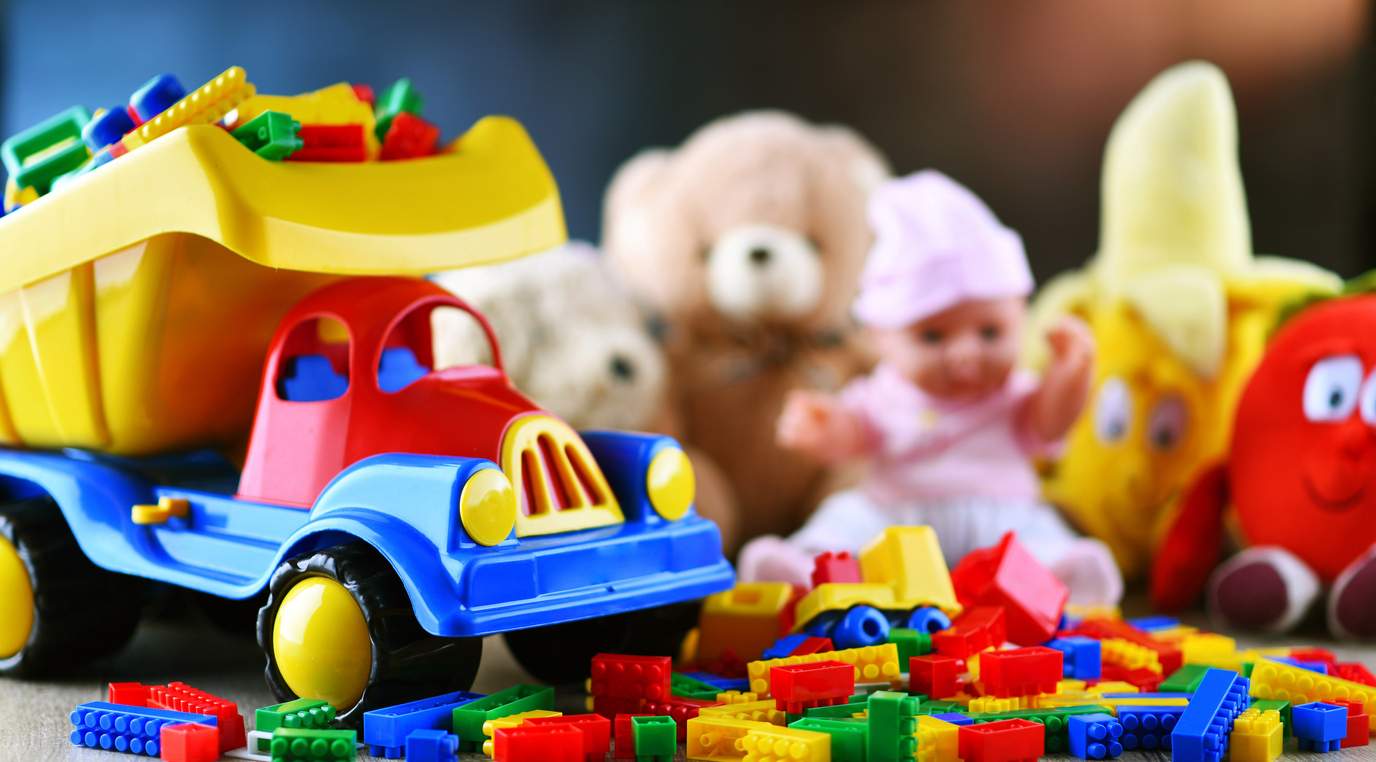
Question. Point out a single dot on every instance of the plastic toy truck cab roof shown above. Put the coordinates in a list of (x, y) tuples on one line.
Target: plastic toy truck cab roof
[(350, 374)]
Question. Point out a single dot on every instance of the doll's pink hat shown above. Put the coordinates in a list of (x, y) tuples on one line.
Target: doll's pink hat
[(935, 245)]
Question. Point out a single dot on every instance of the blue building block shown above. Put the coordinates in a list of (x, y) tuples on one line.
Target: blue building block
[(132, 729), (1312, 666), (156, 96), (1319, 727), (1082, 657), (1149, 623), (1202, 733), (429, 745), (1148, 727), (1095, 736), (955, 718), (784, 646), (724, 683), (386, 730)]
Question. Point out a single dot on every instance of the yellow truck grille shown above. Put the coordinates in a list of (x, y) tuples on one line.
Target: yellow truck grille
[(559, 486)]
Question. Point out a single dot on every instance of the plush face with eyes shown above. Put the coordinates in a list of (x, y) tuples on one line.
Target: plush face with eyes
[(1303, 466)]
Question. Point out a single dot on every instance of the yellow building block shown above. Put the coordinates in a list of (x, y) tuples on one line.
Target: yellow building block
[(713, 739), (758, 711), (1053, 702), (336, 104), (1275, 680), (744, 619), (736, 697), (785, 745), (1129, 654), (872, 664), (909, 559), (992, 704), (1114, 686), (206, 104), (1257, 736), (1207, 648), (491, 727), (937, 740), (1070, 685)]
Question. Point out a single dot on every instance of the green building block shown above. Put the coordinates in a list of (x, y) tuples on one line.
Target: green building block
[(313, 745), (942, 707), (856, 705), (300, 713), (656, 738), (398, 97), (1056, 721), (1184, 680), (892, 727), (1263, 705), (693, 688), (910, 643), (1247, 668), (53, 147), (272, 135), (849, 737), (469, 718)]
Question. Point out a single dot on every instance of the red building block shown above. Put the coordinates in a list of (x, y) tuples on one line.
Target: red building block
[(934, 675), (1358, 723), (1007, 575), (728, 665), (180, 697), (1316, 654), (538, 743), (634, 677), (610, 707), (1003, 741), (625, 735), (835, 567), (975, 630), (596, 729), (1102, 628), (1145, 680), (813, 645), (1021, 671), (190, 742), (1355, 672), (365, 93), (409, 137), (330, 142), (796, 687), (681, 709), (129, 694)]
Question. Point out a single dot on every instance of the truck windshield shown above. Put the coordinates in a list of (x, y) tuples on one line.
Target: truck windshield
[(315, 362)]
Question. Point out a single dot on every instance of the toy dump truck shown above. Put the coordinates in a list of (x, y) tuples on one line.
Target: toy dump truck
[(193, 297)]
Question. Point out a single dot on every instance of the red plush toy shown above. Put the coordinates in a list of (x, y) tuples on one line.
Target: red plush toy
[(1302, 478)]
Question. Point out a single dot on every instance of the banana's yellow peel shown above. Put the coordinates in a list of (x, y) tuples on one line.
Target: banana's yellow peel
[(1179, 307)]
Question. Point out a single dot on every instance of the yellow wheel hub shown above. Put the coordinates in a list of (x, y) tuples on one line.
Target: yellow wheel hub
[(320, 641), (16, 601), (671, 483)]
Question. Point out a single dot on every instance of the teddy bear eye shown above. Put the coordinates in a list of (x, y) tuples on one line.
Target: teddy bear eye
[(1330, 389)]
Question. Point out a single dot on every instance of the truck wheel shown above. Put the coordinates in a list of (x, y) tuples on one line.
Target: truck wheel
[(338, 627), (561, 654), (57, 609)]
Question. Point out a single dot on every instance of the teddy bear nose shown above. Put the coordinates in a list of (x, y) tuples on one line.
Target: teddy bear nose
[(622, 368), (759, 255)]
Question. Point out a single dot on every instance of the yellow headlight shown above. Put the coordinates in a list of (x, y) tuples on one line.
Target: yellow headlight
[(487, 507), (671, 483)]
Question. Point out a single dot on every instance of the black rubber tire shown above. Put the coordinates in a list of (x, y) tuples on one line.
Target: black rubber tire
[(561, 654), (408, 662), (81, 611)]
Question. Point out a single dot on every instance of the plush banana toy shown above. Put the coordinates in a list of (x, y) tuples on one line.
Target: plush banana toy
[(1180, 309)]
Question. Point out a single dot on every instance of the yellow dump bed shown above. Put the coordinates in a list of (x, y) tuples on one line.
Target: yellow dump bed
[(137, 301)]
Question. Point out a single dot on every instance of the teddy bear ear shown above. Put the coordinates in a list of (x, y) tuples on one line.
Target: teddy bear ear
[(625, 222), (864, 163)]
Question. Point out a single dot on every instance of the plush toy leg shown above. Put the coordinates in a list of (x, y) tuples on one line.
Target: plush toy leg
[(770, 559), (1352, 603), (1088, 569), (1261, 589)]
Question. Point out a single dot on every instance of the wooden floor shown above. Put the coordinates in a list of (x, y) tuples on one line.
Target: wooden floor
[(34, 721)]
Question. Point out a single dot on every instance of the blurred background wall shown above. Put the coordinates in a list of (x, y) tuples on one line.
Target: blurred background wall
[(1012, 97)]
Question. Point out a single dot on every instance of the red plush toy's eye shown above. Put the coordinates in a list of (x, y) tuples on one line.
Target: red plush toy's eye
[(1330, 389)]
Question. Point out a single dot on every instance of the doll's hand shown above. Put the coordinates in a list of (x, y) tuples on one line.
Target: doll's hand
[(1065, 386), (817, 425)]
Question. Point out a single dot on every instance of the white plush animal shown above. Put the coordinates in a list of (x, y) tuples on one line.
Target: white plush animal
[(570, 337)]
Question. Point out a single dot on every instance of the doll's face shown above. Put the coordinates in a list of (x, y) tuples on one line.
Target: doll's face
[(1303, 468), (964, 351)]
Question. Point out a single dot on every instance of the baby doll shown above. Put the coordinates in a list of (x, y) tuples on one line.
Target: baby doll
[(947, 424)]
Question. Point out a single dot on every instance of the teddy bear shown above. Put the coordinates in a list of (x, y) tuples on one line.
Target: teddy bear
[(1180, 308), (745, 243), (572, 339)]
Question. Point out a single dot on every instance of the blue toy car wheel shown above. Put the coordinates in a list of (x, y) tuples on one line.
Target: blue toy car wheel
[(929, 620), (861, 626)]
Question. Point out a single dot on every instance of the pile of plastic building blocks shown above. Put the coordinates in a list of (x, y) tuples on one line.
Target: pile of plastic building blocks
[(340, 123)]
